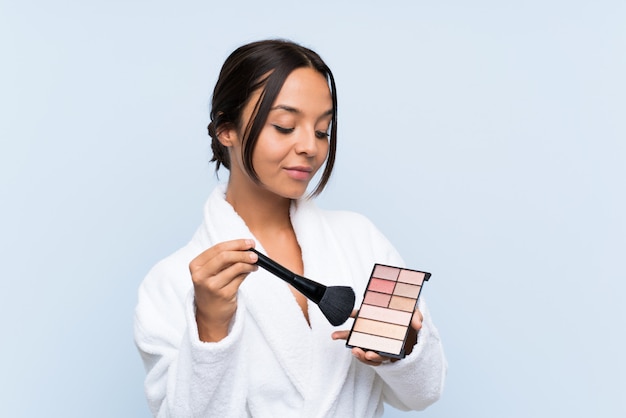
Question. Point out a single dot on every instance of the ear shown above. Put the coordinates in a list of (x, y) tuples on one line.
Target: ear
[(227, 135)]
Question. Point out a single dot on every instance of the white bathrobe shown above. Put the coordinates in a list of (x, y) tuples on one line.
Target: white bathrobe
[(272, 364)]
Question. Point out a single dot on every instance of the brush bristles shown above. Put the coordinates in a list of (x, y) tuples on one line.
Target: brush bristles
[(337, 304)]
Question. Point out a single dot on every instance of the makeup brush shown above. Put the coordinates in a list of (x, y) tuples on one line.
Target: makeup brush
[(335, 302)]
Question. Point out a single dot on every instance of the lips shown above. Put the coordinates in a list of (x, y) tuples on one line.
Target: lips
[(299, 172)]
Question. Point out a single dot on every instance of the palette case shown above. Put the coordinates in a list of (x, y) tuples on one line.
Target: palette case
[(384, 319)]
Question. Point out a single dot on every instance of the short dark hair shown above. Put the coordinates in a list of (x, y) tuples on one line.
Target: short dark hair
[(263, 64)]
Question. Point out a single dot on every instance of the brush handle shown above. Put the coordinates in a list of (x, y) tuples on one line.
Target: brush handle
[(309, 288)]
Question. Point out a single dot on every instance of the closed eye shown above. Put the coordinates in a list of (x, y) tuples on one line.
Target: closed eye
[(321, 134), (283, 130)]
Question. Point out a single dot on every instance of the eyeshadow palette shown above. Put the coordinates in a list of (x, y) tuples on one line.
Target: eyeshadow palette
[(383, 322)]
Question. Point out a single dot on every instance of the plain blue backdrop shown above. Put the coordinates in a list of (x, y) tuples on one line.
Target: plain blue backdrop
[(486, 139)]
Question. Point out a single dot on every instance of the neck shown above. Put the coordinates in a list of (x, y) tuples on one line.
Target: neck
[(261, 210)]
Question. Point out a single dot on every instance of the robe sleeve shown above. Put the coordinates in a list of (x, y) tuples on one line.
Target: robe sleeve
[(185, 377), (416, 381)]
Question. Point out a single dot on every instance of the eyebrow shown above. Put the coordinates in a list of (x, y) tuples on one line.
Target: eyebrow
[(291, 109)]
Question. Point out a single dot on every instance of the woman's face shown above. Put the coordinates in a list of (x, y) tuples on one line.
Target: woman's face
[(293, 143)]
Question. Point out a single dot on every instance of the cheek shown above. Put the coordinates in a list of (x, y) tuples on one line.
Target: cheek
[(323, 151), (268, 151)]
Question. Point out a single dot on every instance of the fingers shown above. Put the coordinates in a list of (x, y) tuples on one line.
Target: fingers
[(416, 321), (343, 335), (225, 270), (370, 358), (223, 263), (222, 250), (340, 335)]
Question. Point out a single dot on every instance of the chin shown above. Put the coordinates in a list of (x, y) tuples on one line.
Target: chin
[(293, 194), (288, 191)]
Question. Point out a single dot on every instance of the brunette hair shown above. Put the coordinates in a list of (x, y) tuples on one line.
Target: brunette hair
[(266, 65)]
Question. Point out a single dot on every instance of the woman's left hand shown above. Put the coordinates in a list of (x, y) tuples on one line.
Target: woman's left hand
[(374, 359)]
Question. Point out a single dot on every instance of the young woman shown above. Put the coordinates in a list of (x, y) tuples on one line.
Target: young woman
[(221, 338)]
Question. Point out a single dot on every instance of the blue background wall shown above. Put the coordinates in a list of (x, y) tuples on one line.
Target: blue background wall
[(486, 139)]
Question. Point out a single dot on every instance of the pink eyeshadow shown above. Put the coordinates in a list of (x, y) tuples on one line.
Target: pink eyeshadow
[(386, 272), (378, 299), (411, 277), (382, 286)]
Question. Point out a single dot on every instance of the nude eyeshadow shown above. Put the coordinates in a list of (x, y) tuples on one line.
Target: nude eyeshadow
[(384, 319)]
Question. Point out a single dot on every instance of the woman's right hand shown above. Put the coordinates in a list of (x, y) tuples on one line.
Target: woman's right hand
[(217, 274)]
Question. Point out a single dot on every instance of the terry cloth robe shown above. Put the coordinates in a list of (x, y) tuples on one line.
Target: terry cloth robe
[(272, 364)]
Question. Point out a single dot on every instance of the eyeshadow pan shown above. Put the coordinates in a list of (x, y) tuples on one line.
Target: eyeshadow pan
[(411, 277), (403, 304), (385, 272), (384, 329), (382, 286), (378, 299), (376, 343), (382, 322), (407, 290), (385, 315)]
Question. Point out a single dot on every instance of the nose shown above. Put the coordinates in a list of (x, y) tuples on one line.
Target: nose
[(307, 143)]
